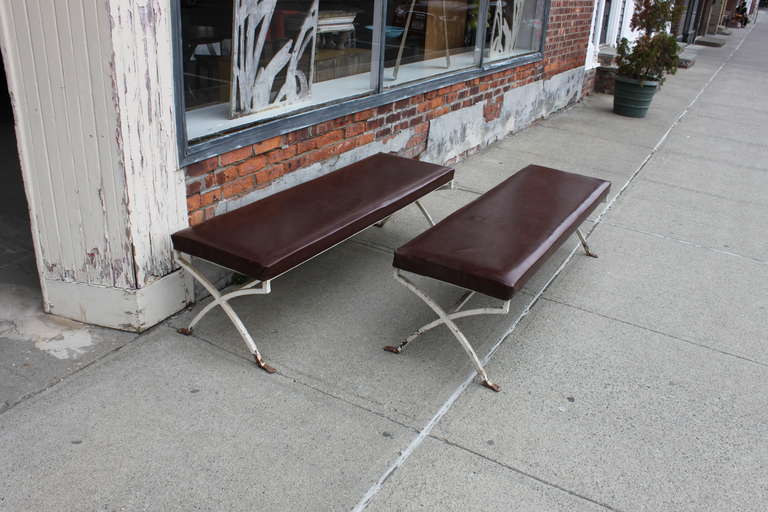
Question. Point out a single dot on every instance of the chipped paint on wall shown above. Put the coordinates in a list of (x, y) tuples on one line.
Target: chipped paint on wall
[(146, 132), (455, 133)]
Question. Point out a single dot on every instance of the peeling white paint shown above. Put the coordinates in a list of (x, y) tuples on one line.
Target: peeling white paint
[(93, 100), (456, 132), (67, 345)]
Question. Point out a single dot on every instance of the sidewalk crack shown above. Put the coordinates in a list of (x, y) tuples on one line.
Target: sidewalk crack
[(654, 331), (526, 474), (686, 242)]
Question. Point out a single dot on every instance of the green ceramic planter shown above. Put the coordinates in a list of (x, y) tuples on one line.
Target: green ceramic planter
[(632, 97)]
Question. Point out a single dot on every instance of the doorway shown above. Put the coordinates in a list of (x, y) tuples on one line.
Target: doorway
[(17, 253)]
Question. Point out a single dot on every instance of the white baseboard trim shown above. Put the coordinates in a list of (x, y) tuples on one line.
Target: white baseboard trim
[(119, 308)]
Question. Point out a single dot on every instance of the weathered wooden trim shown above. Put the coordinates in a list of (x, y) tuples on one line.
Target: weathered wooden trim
[(92, 91), (146, 137), (117, 308)]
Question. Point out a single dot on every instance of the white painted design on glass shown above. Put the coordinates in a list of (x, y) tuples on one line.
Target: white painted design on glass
[(252, 83)]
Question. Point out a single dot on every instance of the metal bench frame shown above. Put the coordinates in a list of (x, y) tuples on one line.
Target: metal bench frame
[(255, 287), (447, 317)]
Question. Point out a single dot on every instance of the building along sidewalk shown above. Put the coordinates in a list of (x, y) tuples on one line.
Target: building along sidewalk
[(634, 382)]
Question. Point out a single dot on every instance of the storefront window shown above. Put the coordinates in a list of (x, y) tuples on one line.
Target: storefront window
[(245, 62), (514, 28), (429, 37)]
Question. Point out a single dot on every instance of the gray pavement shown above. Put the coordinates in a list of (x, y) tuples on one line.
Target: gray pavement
[(635, 381)]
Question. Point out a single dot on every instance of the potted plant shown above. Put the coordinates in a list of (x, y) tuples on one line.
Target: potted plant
[(644, 64)]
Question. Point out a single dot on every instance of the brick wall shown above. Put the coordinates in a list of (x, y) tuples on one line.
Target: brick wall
[(570, 22), (240, 172)]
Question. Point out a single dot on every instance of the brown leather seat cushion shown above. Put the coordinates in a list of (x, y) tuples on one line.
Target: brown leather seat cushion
[(494, 244), (270, 236)]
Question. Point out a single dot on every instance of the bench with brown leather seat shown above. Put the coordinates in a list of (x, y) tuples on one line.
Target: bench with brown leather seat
[(494, 244), (269, 237)]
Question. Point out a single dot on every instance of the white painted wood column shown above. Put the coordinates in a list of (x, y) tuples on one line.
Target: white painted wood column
[(92, 90)]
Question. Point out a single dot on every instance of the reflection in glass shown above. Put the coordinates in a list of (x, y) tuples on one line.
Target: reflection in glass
[(514, 28), (428, 37), (206, 49), (284, 55)]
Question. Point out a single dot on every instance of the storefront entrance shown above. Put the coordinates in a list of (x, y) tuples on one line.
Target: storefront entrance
[(17, 254)]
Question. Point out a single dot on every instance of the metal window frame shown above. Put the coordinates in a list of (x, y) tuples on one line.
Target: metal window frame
[(252, 134)]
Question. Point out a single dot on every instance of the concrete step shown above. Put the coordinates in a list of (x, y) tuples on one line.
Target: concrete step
[(710, 40)]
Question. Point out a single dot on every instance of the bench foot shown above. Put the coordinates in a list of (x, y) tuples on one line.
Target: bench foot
[(422, 209), (583, 241), (261, 364), (222, 300), (447, 319)]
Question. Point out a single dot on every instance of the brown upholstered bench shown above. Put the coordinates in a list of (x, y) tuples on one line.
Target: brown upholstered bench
[(494, 244), (269, 237)]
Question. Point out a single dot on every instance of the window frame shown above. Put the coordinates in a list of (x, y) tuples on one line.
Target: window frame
[(225, 142)]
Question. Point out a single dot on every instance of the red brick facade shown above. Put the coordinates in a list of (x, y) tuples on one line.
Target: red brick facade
[(570, 22), (253, 167)]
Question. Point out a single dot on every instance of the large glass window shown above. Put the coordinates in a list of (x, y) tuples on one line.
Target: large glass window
[(514, 28), (428, 37), (248, 61)]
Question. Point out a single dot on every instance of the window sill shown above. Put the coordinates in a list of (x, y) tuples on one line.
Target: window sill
[(247, 135)]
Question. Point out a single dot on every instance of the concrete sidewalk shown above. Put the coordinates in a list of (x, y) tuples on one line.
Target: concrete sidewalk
[(637, 381)]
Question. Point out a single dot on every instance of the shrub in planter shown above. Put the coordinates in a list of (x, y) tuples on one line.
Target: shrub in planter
[(644, 64)]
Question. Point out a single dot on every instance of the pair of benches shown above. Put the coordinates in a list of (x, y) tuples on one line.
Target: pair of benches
[(491, 246)]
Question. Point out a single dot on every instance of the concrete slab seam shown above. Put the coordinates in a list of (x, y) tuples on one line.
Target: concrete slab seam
[(418, 440), (654, 331), (373, 246), (249, 362), (685, 242), (669, 130), (470, 190), (526, 474), (7, 406), (703, 193), (674, 151)]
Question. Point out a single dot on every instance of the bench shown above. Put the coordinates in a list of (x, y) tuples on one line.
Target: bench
[(274, 235), (493, 245)]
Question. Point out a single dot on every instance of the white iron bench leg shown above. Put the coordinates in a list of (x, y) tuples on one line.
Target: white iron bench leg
[(222, 300), (423, 210), (448, 319), (583, 241)]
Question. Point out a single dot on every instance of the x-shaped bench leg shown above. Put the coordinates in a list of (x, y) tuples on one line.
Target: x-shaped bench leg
[(583, 240), (448, 320), (222, 300), (423, 210)]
